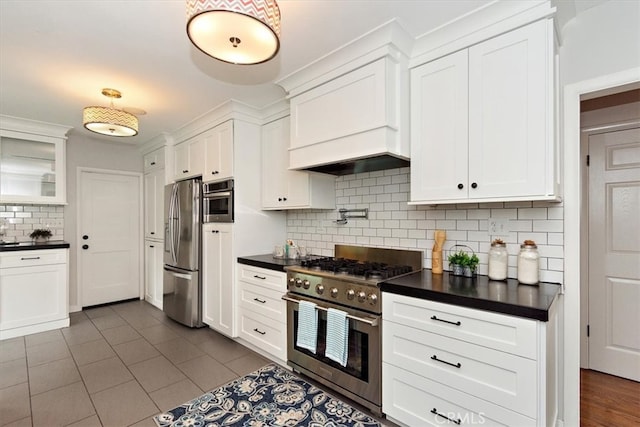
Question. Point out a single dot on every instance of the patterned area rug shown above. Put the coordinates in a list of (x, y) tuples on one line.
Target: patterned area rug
[(270, 396)]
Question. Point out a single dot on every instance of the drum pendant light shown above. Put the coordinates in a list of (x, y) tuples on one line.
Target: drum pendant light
[(235, 31), (108, 120)]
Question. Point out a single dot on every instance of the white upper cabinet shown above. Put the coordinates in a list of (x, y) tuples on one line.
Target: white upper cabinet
[(189, 158), (154, 160), (218, 162), (32, 162), (289, 189), (482, 121)]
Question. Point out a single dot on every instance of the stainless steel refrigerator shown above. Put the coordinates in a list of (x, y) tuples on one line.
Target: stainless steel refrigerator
[(182, 285)]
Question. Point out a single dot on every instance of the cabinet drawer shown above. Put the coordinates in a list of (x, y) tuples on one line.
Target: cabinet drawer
[(270, 279), (264, 333), (264, 301), (479, 371), (33, 258), (510, 334), (412, 400)]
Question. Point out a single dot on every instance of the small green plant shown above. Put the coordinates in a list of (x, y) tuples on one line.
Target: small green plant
[(458, 258), (473, 262), (43, 233)]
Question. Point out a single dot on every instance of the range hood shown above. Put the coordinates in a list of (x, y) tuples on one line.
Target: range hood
[(350, 109), (368, 164)]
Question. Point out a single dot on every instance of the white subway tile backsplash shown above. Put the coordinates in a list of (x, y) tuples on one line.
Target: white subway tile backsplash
[(395, 224), (22, 219)]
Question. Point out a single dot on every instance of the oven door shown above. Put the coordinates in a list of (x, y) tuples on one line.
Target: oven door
[(360, 379)]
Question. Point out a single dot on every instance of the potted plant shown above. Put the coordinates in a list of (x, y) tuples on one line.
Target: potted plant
[(471, 265), (457, 261), (41, 234)]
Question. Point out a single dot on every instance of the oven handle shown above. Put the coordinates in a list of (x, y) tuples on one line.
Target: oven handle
[(372, 322)]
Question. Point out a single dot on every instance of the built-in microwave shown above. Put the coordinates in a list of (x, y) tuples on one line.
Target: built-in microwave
[(217, 200)]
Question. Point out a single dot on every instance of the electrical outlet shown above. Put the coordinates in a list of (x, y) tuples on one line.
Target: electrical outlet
[(498, 226)]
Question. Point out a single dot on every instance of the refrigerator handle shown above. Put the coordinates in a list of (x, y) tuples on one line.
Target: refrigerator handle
[(177, 273), (172, 224)]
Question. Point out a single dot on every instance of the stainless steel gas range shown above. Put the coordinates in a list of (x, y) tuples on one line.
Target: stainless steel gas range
[(348, 282)]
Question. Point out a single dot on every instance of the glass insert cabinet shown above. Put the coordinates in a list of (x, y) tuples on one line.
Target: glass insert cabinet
[(32, 161)]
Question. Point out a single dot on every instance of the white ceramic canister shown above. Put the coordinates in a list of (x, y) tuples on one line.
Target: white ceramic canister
[(528, 263), (498, 260)]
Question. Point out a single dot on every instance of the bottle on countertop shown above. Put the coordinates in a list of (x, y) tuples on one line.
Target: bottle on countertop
[(528, 263), (498, 260), (436, 254)]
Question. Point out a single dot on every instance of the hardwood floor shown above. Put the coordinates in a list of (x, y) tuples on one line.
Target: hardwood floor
[(606, 400)]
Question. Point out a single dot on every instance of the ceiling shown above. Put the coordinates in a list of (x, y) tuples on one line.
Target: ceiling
[(56, 56)]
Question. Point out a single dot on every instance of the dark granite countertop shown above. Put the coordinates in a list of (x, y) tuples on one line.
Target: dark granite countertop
[(508, 297), (30, 246), (268, 262)]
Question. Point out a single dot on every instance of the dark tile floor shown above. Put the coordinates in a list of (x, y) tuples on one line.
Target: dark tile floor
[(114, 366)]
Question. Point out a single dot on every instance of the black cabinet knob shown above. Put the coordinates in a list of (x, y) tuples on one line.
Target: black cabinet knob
[(185, 171), (284, 199), (85, 246), (153, 163), (279, 199), (85, 237), (474, 185), (460, 186)]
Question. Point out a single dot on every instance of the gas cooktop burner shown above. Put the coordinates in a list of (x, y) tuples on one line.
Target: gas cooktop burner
[(350, 267)]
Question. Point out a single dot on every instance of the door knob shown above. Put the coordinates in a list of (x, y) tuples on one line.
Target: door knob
[(85, 237), (85, 246)]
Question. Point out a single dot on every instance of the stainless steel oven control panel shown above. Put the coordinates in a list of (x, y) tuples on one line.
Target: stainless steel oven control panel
[(356, 295)]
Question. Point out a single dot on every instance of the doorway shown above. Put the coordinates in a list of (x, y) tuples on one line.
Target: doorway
[(109, 231), (610, 289)]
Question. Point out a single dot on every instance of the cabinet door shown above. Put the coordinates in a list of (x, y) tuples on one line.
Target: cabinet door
[(218, 278), (32, 171), (154, 160), (181, 160), (510, 100), (219, 153), (32, 296), (281, 188), (439, 115), (153, 204), (153, 273)]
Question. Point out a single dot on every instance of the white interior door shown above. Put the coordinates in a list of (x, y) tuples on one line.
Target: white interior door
[(614, 253), (110, 236)]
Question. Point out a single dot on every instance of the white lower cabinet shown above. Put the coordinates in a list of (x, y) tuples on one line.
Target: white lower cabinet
[(34, 291), (153, 264), (263, 313), (470, 366), (218, 298)]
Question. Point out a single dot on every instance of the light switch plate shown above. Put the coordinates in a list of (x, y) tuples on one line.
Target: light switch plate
[(498, 226)]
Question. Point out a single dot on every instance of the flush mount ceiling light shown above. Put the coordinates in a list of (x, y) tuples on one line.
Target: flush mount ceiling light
[(235, 31), (108, 120)]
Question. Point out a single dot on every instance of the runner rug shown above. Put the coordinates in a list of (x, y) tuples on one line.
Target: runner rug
[(270, 396)]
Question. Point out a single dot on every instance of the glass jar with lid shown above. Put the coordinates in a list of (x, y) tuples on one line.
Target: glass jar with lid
[(528, 263), (498, 260)]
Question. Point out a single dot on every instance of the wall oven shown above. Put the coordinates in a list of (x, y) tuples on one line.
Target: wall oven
[(217, 201), (348, 282)]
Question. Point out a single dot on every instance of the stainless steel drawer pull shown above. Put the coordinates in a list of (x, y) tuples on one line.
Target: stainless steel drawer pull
[(446, 321), (259, 331), (455, 365), (261, 301), (438, 414), (28, 258), (259, 277)]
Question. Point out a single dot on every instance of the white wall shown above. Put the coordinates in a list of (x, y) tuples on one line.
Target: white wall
[(90, 153)]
